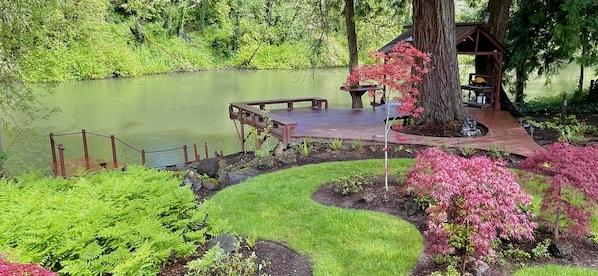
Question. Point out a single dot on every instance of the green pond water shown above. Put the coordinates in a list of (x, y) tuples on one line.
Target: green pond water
[(168, 111)]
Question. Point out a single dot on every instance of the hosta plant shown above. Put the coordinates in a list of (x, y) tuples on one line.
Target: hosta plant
[(474, 202), (571, 198)]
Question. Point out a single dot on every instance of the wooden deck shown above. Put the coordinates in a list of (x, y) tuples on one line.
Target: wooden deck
[(367, 124), (75, 165)]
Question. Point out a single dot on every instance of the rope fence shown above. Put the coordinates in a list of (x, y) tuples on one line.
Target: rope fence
[(65, 166)]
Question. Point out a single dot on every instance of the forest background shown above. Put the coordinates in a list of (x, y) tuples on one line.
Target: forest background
[(94, 39)]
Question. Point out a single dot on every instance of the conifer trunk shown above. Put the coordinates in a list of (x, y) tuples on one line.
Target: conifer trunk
[(434, 32)]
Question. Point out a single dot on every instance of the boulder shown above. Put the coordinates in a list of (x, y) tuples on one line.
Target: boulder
[(192, 179), (560, 250), (223, 179), (210, 184), (267, 162), (209, 166), (288, 158), (227, 242)]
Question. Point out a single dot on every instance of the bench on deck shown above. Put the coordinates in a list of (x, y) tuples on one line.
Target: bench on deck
[(316, 102), (480, 92)]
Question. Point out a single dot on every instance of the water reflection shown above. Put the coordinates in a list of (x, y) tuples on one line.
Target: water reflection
[(162, 112)]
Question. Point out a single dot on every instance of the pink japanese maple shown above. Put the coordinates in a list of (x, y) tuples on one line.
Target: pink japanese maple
[(398, 71), (16, 269), (573, 186), (473, 202)]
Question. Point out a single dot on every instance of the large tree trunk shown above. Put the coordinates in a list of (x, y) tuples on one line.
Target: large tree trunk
[(352, 41), (434, 32), (498, 24)]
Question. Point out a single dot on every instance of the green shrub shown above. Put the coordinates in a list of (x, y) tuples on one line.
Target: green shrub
[(357, 144), (570, 129), (115, 222), (305, 148), (467, 151), (352, 183), (336, 144), (219, 263)]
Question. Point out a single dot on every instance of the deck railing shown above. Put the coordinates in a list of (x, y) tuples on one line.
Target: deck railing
[(60, 165), (256, 114)]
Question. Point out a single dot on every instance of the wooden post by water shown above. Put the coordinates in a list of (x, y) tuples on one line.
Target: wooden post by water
[(84, 136), (114, 161), (185, 154), (62, 166), (54, 161)]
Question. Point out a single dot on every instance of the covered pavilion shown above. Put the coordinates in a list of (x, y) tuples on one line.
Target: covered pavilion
[(471, 39)]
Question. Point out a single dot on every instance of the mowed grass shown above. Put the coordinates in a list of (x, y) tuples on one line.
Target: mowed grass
[(556, 270), (278, 207)]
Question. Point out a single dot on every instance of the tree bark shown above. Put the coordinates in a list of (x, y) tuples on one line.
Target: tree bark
[(351, 35), (352, 41), (498, 24), (434, 32)]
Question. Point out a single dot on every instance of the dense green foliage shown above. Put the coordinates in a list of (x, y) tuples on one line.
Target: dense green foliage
[(545, 35), (119, 223), (91, 39)]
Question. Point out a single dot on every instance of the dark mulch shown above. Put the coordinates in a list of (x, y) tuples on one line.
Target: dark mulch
[(283, 261)]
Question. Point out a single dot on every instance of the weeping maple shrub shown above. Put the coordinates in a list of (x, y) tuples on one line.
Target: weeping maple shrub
[(398, 71), (472, 203), (571, 198), (9, 269)]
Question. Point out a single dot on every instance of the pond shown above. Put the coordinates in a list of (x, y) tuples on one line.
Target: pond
[(168, 111), (162, 112)]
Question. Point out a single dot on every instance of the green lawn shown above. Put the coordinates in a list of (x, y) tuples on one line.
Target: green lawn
[(278, 206)]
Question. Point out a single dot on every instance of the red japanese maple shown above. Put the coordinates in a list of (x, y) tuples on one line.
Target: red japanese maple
[(573, 186), (16, 269), (472, 202), (398, 71)]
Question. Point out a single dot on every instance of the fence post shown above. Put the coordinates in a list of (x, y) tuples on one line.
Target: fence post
[(186, 155), (62, 166), (84, 136), (195, 151), (54, 161), (205, 145), (114, 161), (143, 157)]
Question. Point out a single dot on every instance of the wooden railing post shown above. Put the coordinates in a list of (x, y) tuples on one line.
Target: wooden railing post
[(62, 166), (114, 161), (143, 157), (54, 161), (205, 146), (195, 151), (84, 136), (186, 155)]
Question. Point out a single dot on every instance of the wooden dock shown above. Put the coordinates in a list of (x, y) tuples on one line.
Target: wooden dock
[(320, 123)]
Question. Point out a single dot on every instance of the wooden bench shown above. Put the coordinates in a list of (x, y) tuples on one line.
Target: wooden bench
[(480, 92), (316, 102)]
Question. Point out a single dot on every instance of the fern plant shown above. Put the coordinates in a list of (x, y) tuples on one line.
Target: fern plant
[(120, 223)]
